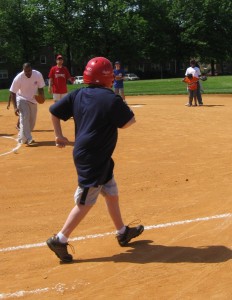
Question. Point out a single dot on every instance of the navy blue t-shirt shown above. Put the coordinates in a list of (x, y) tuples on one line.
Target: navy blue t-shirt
[(97, 113)]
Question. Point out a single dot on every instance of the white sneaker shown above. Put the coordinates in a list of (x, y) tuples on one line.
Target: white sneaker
[(31, 143), (22, 141), (188, 104)]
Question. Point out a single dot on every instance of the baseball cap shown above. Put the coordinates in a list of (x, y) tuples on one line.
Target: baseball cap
[(59, 56), (117, 63)]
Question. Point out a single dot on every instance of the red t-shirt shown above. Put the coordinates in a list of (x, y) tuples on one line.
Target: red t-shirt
[(60, 77)]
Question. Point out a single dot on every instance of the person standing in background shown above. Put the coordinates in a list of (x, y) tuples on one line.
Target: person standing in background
[(195, 71), (23, 90), (58, 77), (118, 80)]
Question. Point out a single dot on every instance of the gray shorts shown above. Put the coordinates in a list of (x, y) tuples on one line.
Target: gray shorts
[(89, 195)]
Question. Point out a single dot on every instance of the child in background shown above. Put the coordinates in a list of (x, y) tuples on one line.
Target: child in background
[(118, 80), (192, 88)]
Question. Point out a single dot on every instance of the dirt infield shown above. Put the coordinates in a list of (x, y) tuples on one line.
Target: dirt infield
[(174, 171)]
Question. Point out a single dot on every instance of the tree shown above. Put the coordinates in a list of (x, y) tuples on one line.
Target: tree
[(205, 28), (20, 33)]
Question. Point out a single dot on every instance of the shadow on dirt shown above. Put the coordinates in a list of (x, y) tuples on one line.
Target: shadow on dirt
[(143, 252), (41, 130), (212, 105), (47, 144), (6, 134)]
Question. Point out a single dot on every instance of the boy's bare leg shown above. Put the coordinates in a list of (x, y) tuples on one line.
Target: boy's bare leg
[(112, 203), (76, 215)]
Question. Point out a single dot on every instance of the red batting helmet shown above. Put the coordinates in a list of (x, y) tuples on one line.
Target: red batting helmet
[(99, 71)]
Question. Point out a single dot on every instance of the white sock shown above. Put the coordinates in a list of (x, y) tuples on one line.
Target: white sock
[(122, 230), (62, 238)]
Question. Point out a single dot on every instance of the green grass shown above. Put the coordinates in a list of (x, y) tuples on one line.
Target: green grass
[(174, 86)]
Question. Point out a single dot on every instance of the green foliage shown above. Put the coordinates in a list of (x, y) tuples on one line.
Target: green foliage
[(205, 27), (130, 30)]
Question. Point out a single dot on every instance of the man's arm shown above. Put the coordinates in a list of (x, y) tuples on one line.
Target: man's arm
[(41, 92), (71, 79), (13, 99)]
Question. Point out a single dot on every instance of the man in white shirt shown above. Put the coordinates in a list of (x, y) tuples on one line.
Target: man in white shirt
[(23, 90), (195, 71)]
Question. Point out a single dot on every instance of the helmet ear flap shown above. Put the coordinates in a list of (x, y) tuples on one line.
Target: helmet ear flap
[(99, 71)]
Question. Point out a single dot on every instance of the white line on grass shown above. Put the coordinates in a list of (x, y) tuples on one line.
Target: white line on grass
[(60, 287), (94, 236)]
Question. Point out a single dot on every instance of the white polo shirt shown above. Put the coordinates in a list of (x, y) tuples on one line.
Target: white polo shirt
[(194, 71), (25, 88)]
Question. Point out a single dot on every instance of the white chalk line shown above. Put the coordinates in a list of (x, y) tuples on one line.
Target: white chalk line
[(61, 287), (136, 105), (14, 150), (99, 235)]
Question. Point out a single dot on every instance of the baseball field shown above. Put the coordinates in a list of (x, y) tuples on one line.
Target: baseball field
[(174, 172)]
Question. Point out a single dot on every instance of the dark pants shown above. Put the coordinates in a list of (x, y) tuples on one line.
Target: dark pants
[(199, 98)]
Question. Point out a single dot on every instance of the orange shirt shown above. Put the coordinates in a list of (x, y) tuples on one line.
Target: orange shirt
[(191, 82)]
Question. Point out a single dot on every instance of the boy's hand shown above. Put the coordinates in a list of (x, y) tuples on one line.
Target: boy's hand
[(61, 141)]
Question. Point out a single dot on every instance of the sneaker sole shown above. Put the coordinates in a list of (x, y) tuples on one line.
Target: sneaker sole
[(53, 249)]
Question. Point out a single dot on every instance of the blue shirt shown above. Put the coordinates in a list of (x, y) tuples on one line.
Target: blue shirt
[(118, 83), (97, 113)]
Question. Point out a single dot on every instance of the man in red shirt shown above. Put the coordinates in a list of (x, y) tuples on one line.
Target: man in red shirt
[(58, 77)]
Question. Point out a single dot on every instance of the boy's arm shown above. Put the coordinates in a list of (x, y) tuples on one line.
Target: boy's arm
[(60, 140), (128, 124)]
